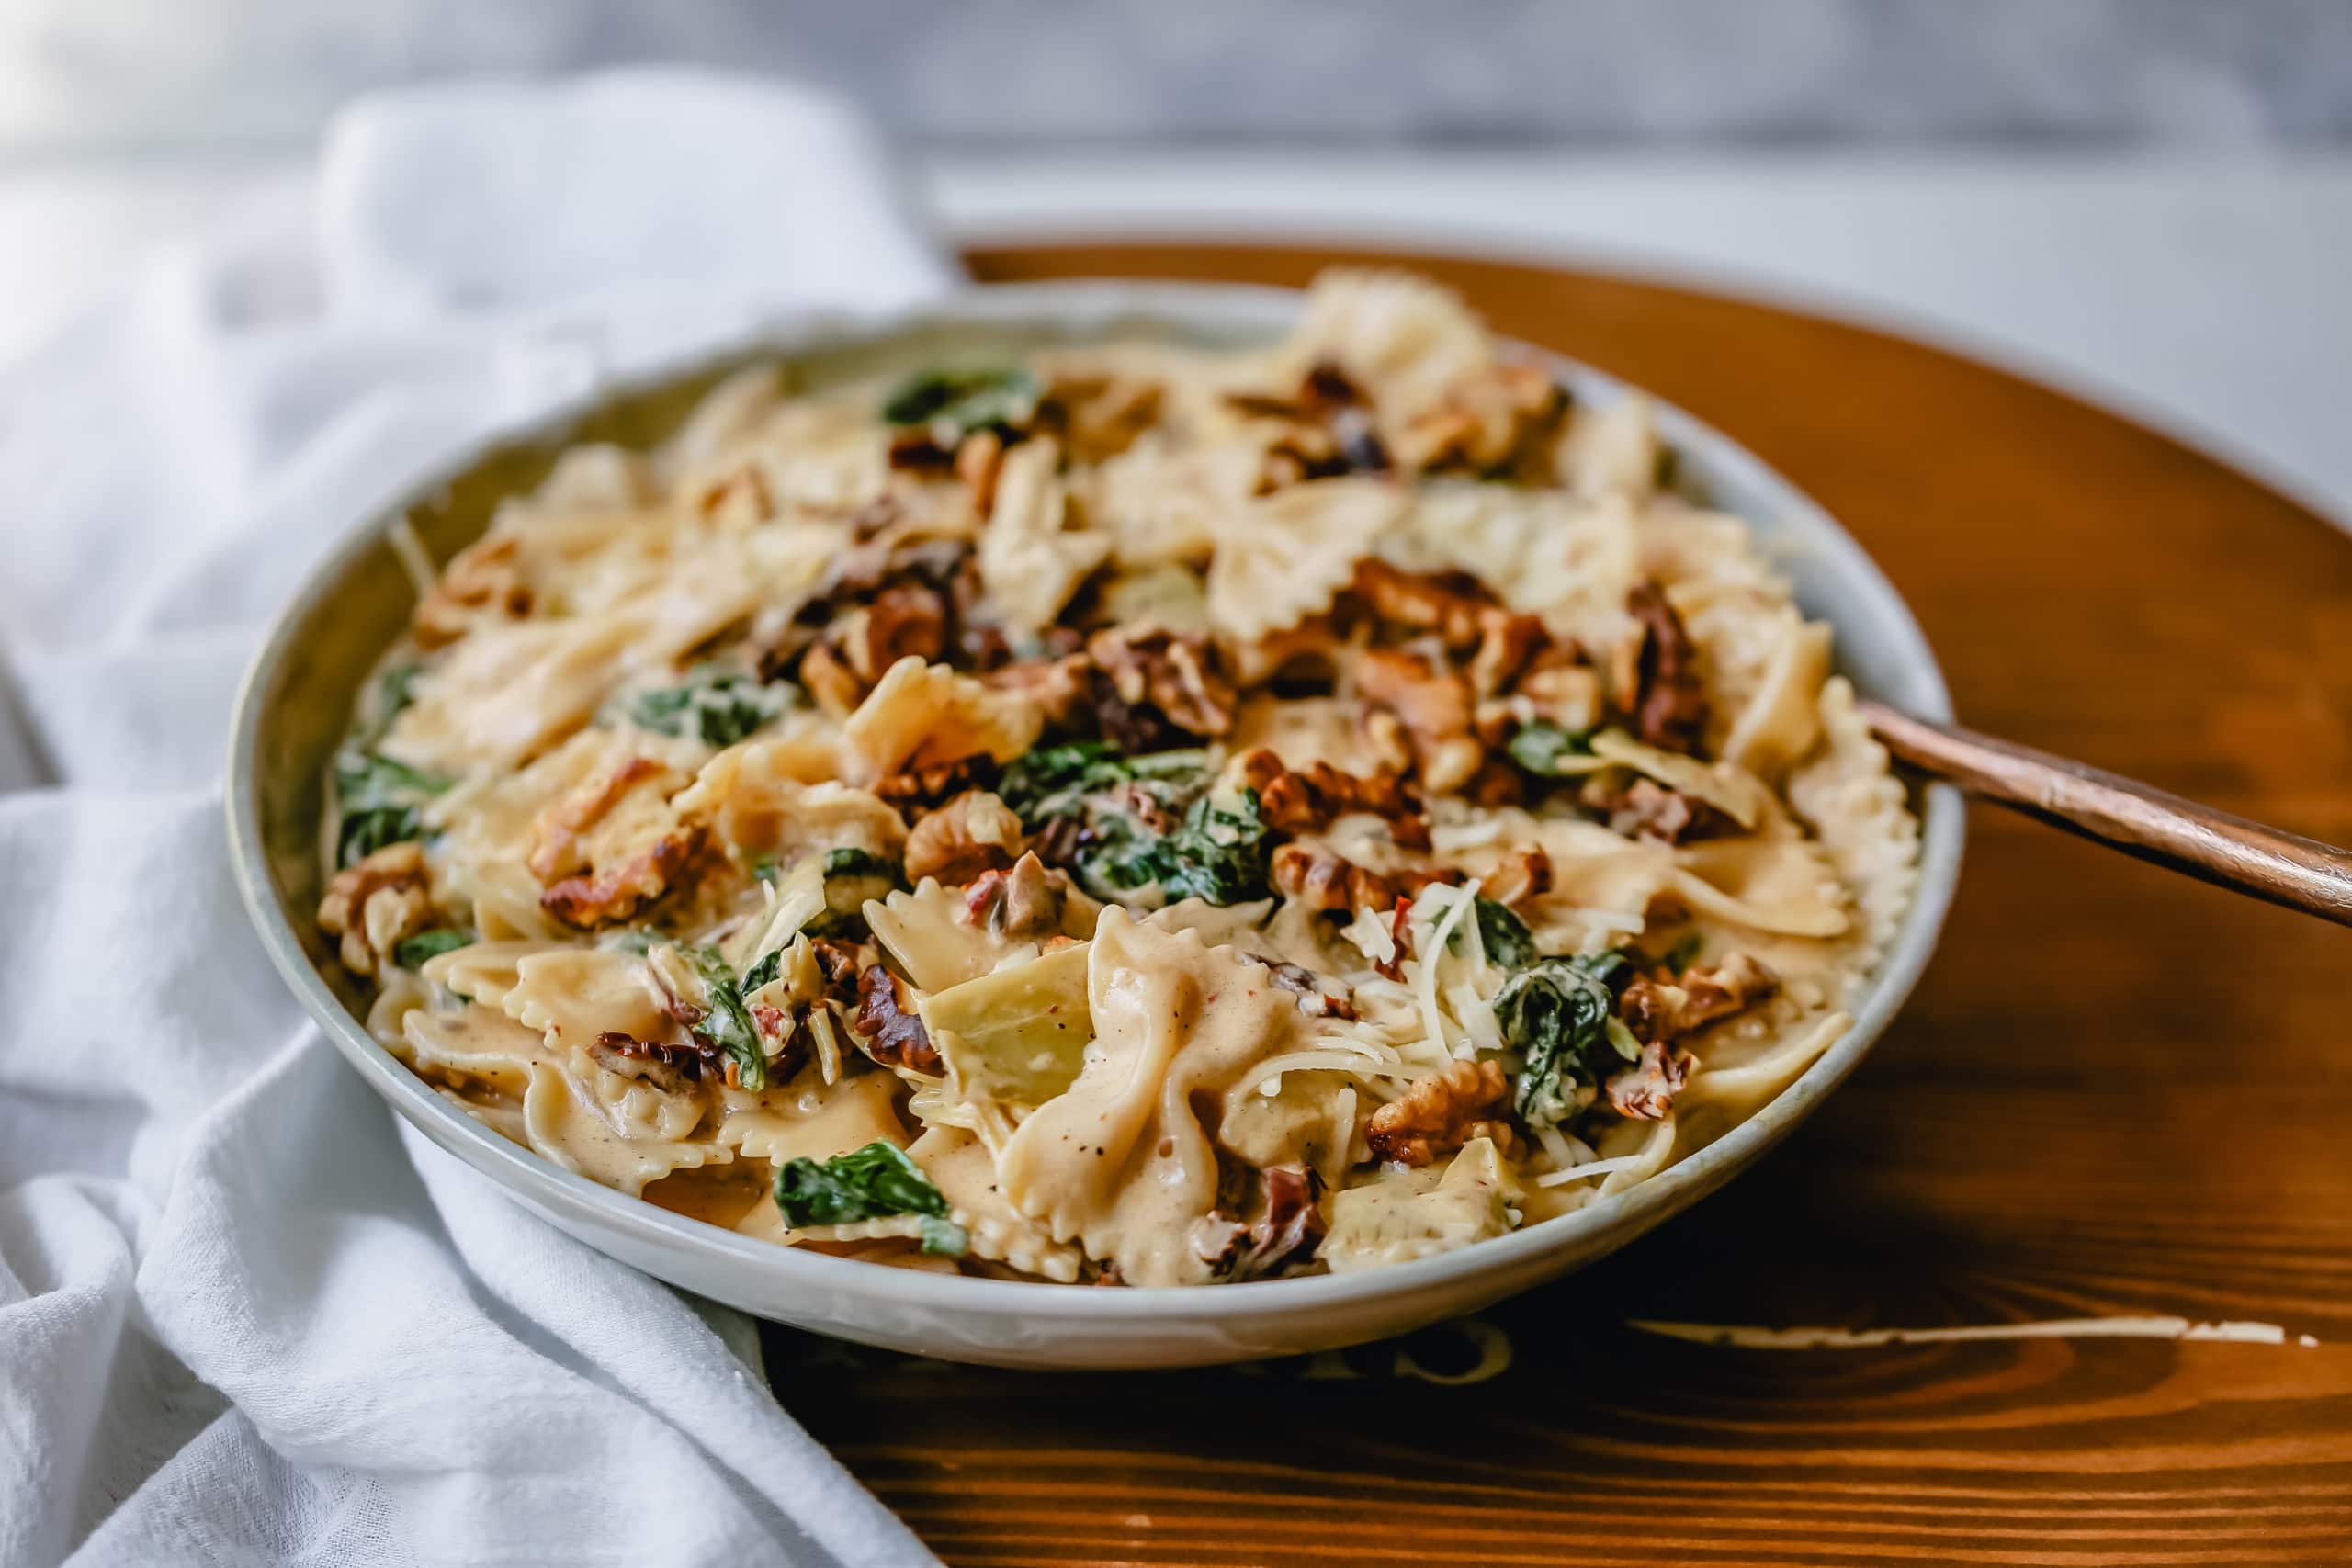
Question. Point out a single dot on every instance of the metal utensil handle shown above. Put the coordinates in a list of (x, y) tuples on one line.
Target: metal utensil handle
[(2213, 846)]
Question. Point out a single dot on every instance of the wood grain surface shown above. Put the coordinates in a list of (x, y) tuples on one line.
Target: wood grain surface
[(2117, 1092)]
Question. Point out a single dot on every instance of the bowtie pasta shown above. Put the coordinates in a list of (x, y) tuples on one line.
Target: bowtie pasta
[(1128, 813)]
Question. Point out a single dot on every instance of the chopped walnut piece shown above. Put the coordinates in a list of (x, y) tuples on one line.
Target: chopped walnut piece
[(1434, 705), (1659, 1006), (1323, 880), (1667, 704), (1645, 1091), (613, 844), (1291, 1229), (1061, 687), (371, 906), (980, 457), (1025, 902), (919, 789), (670, 1065), (1307, 801), (887, 1027), (972, 833), (1523, 872), (482, 580), (1508, 643), (1451, 604), (1648, 809), (1151, 667), (1442, 1113), (1308, 987), (831, 681)]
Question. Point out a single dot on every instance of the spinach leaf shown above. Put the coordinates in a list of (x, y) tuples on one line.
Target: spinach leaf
[(1504, 935), (858, 863), (717, 706), (964, 400), (1214, 854), (866, 1184), (1686, 948), (727, 1024), (770, 966), (410, 952), (378, 796), (1558, 1014), (1541, 745)]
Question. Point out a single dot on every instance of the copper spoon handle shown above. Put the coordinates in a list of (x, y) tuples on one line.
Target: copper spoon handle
[(2213, 846)]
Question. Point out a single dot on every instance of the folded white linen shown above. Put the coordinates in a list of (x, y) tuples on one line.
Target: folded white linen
[(243, 1317)]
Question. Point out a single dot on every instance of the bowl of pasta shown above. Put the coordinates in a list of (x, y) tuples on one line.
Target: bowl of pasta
[(1285, 804)]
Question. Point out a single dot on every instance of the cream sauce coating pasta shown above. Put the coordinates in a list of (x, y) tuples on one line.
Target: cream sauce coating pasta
[(1122, 813)]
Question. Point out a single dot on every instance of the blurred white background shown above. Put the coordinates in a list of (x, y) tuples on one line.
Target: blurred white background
[(2148, 200)]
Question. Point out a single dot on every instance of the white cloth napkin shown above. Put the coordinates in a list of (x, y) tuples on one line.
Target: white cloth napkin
[(244, 1317)]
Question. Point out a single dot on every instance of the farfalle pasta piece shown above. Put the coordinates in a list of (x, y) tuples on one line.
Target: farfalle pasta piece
[(1418, 1212), (1286, 556), (959, 1164), (1402, 338), (1782, 718), (1543, 553), (574, 995), (1030, 563), (1120, 1163), (1856, 807), (1159, 503), (777, 1125), (921, 716), (1782, 885), (753, 798), (924, 933), (1609, 450)]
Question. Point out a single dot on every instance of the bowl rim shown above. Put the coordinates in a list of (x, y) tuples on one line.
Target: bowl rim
[(1080, 308)]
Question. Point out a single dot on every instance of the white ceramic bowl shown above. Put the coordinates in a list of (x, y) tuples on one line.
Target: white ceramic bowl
[(292, 712)]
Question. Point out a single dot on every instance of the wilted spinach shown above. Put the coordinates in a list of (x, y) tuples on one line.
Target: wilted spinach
[(1216, 853), (866, 1184), (714, 706), (380, 798), (410, 952), (964, 400), (727, 1024), (1561, 1015), (1504, 935), (1056, 781), (1543, 746)]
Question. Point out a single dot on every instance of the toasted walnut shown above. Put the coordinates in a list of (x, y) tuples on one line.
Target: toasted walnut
[(918, 789), (1061, 688), (1308, 987), (483, 580), (1451, 604), (613, 845), (1646, 1091), (1434, 705), (1289, 1231), (972, 833), (1307, 801), (1669, 703), (1025, 902), (1523, 872), (374, 904), (1508, 643), (1323, 880), (831, 681), (1657, 1007), (1151, 667), (1646, 809), (1442, 1113), (672, 1066), (887, 1027)]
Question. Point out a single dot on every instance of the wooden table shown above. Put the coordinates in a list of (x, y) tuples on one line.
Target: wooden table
[(2115, 1093)]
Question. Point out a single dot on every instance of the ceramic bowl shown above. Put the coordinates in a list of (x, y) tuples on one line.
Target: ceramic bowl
[(292, 709)]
